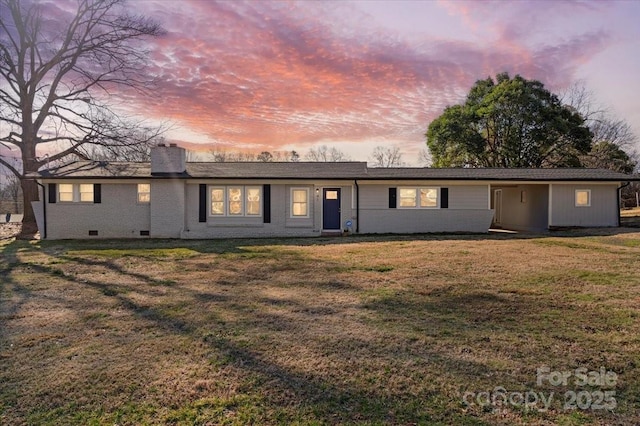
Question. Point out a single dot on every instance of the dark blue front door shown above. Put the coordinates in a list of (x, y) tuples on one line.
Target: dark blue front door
[(331, 208)]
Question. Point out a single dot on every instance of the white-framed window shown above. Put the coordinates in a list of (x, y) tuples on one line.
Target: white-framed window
[(144, 193), (253, 197), (583, 198), (235, 200), (86, 193), (422, 198), (65, 192), (299, 202), (74, 193)]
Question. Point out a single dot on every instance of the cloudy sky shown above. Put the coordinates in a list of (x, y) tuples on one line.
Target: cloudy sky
[(282, 75)]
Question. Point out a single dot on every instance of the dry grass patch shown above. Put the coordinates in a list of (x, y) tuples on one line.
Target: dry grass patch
[(385, 330)]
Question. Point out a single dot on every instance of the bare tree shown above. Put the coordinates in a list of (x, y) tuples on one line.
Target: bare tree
[(55, 82), (424, 157), (606, 128), (386, 157), (10, 191), (325, 154)]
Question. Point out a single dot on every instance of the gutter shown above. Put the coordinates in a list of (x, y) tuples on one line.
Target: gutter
[(355, 181), (618, 200), (44, 210)]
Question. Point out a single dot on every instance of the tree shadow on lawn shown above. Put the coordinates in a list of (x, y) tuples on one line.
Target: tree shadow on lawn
[(323, 397), (339, 397)]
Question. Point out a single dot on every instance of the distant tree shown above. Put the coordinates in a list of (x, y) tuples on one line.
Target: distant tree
[(607, 155), (10, 191), (424, 157), (294, 157), (386, 157), (325, 154), (614, 142), (509, 122), (265, 157), (55, 82)]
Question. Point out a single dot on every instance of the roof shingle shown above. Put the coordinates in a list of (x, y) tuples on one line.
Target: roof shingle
[(316, 170)]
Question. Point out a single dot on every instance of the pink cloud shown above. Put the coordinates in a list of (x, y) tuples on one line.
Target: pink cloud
[(271, 74)]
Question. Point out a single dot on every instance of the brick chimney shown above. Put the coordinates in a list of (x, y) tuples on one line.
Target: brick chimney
[(168, 159)]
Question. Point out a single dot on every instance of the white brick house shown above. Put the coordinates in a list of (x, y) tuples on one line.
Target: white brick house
[(171, 198)]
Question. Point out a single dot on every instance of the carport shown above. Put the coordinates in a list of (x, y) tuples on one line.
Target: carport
[(520, 207)]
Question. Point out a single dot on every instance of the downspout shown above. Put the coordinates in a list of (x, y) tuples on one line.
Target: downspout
[(355, 181), (44, 210), (618, 200)]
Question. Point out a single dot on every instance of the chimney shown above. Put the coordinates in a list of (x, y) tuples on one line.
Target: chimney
[(168, 159)]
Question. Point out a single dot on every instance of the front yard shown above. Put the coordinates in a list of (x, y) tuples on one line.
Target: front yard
[(357, 330)]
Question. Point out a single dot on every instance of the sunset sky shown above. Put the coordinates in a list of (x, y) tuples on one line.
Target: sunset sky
[(276, 75)]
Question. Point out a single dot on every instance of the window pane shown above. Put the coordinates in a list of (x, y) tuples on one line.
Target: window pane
[(428, 197), (253, 201), (299, 195), (331, 195), (86, 192), (217, 194), (217, 207), (299, 209), (299, 202), (217, 201), (65, 192), (144, 192), (407, 197), (582, 198), (235, 201), (253, 208)]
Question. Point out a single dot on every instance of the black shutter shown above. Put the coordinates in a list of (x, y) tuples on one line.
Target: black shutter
[(444, 198), (97, 193), (392, 198), (53, 193), (266, 203), (202, 206)]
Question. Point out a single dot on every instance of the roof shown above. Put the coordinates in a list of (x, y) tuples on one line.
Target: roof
[(278, 170), (520, 174), (321, 170)]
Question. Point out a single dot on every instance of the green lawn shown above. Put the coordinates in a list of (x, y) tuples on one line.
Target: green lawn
[(356, 330)]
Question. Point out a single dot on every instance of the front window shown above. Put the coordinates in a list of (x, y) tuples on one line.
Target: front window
[(428, 197), (86, 193), (236, 201), (407, 197), (65, 192), (217, 202), (253, 201), (144, 192), (583, 197), (418, 198), (73, 192), (299, 202)]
